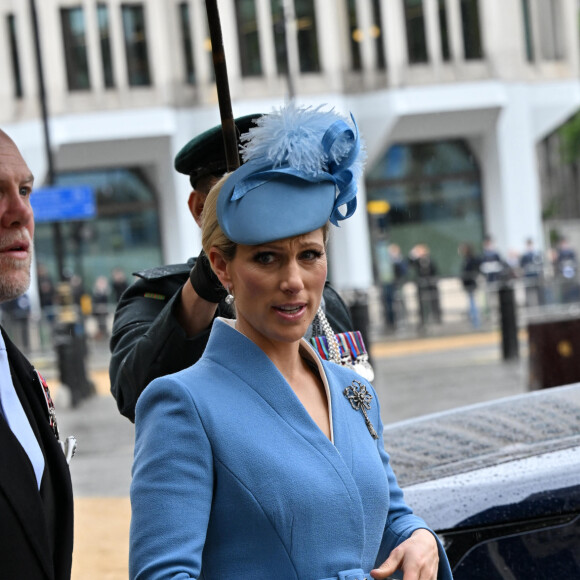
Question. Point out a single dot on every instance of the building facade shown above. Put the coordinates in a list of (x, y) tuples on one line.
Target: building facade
[(451, 96)]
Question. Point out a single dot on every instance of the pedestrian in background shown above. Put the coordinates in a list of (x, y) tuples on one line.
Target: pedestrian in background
[(532, 269), (469, 277), (119, 283), (36, 502), (100, 300), (391, 272), (426, 279), (566, 271)]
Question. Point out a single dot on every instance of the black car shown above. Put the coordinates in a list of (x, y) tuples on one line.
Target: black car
[(499, 482)]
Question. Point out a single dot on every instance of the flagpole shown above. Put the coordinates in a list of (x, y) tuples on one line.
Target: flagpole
[(223, 89)]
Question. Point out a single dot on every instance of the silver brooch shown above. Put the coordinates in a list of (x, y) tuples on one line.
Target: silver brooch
[(360, 400)]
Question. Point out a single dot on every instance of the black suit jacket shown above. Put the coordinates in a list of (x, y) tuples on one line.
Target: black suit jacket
[(36, 528)]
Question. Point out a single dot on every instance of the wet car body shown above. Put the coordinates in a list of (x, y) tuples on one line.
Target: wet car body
[(499, 482)]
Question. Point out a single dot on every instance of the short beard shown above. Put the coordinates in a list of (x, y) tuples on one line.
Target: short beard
[(15, 281)]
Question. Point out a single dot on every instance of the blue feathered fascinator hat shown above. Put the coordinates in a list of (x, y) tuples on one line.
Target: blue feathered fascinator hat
[(301, 167)]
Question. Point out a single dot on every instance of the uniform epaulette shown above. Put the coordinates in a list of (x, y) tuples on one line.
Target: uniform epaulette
[(165, 271)]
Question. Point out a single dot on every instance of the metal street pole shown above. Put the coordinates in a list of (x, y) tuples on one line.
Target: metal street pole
[(50, 174), (69, 335)]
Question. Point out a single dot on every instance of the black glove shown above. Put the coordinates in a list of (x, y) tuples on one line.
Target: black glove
[(204, 281)]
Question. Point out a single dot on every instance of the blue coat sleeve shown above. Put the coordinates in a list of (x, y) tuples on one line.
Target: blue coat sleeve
[(171, 491), (401, 521)]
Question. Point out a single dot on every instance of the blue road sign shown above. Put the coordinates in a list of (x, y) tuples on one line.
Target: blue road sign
[(55, 204)]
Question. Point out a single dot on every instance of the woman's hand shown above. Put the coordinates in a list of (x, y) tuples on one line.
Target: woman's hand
[(417, 557)]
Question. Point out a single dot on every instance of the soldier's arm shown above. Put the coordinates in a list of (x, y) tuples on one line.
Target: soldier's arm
[(148, 338)]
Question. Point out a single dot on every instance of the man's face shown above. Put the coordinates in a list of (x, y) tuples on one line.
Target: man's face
[(16, 221)]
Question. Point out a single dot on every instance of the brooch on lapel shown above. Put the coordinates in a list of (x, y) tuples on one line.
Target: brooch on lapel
[(360, 400)]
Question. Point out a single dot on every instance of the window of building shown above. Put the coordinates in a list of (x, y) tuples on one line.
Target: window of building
[(415, 27), (355, 36), (279, 30), (105, 41), (124, 234), (472, 46), (14, 56), (433, 192), (307, 36), (187, 42), (444, 30), (376, 32), (528, 34), (75, 48), (248, 38), (551, 29), (136, 45)]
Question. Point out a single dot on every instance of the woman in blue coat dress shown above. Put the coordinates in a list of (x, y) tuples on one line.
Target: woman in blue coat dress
[(263, 461)]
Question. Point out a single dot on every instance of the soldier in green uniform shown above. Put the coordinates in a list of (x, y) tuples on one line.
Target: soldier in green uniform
[(163, 320)]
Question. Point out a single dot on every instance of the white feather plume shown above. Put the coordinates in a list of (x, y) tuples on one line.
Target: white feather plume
[(292, 136)]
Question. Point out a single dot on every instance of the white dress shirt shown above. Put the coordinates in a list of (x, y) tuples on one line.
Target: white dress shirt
[(16, 417)]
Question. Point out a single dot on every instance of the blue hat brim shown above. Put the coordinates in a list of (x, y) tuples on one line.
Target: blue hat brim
[(281, 207)]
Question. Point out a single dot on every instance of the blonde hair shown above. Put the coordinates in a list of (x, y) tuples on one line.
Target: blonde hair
[(212, 234)]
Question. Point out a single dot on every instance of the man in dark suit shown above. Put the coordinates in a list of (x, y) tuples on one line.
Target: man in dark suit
[(36, 503)]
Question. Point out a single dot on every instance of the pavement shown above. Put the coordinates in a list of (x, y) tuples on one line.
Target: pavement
[(447, 366)]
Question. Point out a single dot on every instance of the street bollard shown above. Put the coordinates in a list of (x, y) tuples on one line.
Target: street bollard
[(359, 312), (71, 348), (509, 326)]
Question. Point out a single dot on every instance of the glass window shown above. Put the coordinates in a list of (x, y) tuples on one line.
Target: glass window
[(415, 27), (14, 56), (279, 29), (105, 40), (355, 36), (187, 43), (378, 36), (125, 232), (433, 191), (307, 36), (444, 30), (248, 39), (471, 29), (551, 29), (136, 45), (75, 48)]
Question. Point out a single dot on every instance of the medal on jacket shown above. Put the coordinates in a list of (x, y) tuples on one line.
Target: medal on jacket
[(344, 348), (69, 445), (360, 400)]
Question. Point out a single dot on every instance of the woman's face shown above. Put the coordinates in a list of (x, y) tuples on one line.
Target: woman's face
[(277, 287)]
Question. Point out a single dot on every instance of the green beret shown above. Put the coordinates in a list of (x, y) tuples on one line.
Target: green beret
[(205, 154)]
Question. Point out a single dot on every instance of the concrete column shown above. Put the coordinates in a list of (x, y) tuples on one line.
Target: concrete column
[(332, 45), (510, 175), (267, 51), (396, 41), (118, 46), (433, 33), (201, 43), (455, 31), (364, 16), (350, 253), (227, 11)]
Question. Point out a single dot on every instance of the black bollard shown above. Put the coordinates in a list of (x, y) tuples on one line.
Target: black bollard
[(509, 326), (359, 312), (71, 348)]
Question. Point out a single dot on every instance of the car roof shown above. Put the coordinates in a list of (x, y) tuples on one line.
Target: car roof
[(483, 435), (492, 462)]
